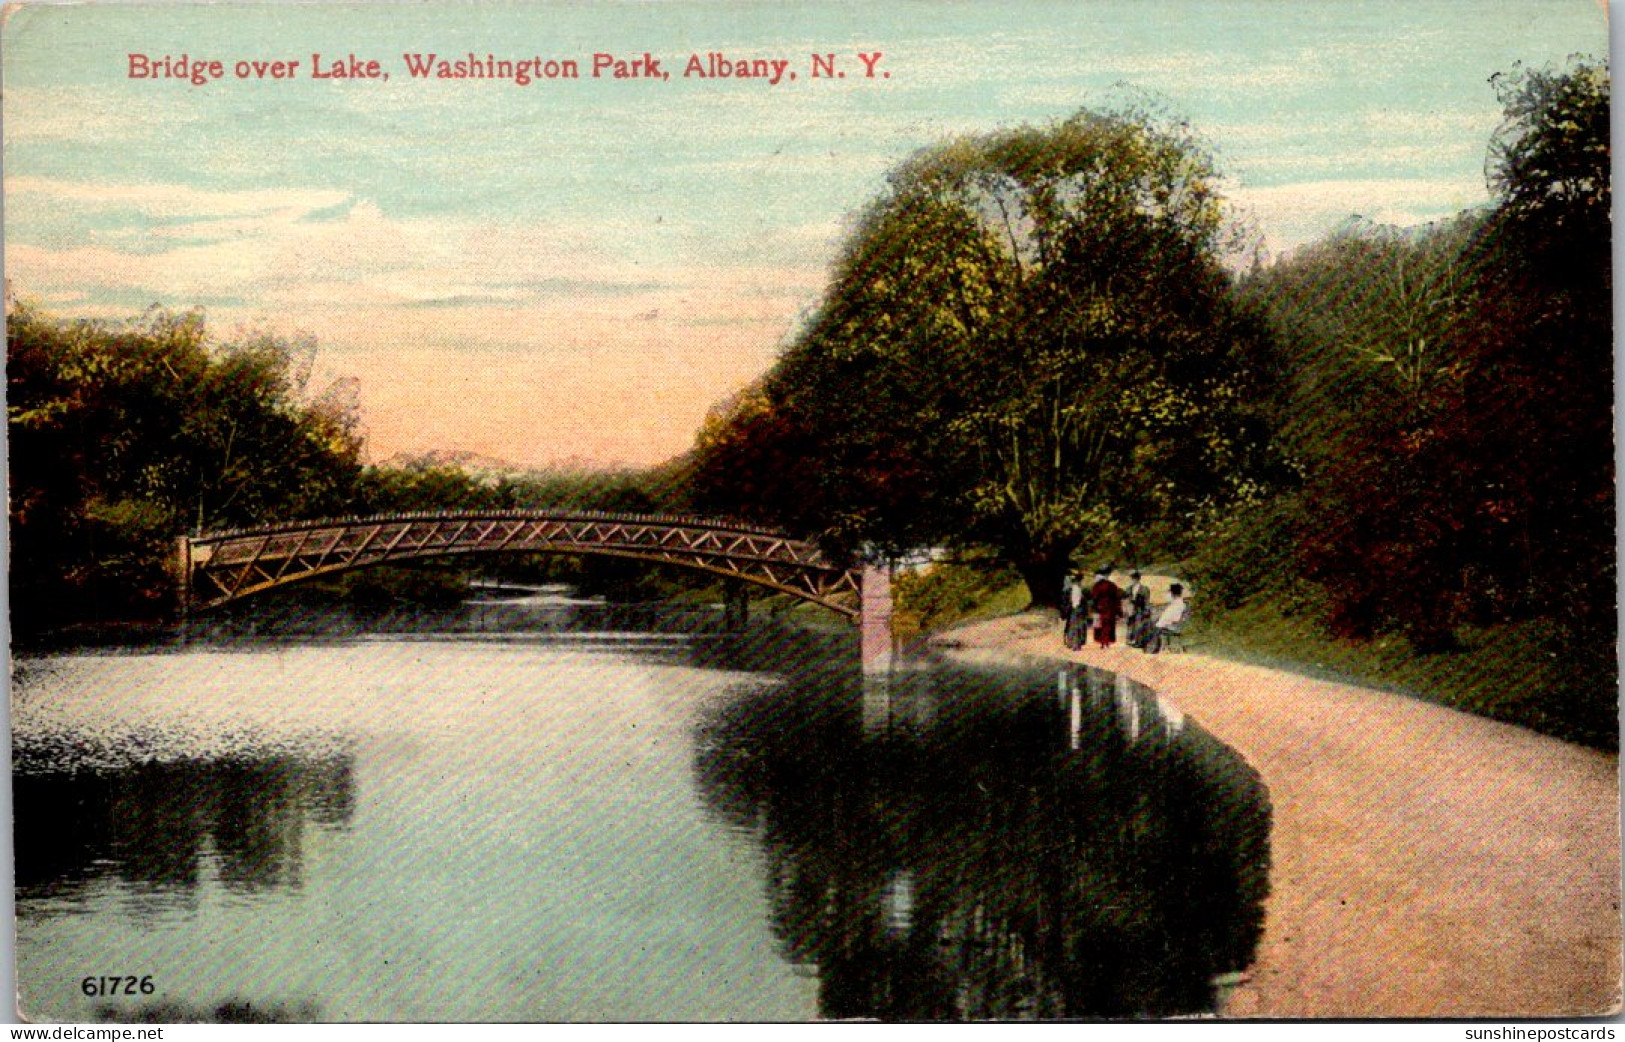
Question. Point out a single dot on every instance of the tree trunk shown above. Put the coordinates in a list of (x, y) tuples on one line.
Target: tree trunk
[(1042, 570)]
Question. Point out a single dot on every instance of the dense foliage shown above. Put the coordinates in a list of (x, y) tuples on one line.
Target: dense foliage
[(1452, 394), (122, 437), (426, 485), (125, 436), (1029, 344), (415, 485)]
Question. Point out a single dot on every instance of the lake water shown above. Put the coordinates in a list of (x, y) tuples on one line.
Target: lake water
[(546, 811)]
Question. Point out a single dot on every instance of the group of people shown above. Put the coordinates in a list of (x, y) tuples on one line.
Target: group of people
[(1096, 607)]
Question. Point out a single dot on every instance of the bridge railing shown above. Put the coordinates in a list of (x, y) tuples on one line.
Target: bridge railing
[(517, 514), (239, 562)]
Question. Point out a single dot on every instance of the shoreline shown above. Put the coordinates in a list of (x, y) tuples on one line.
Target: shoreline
[(1425, 862)]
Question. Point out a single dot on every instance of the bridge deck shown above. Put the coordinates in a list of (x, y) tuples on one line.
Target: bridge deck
[(218, 567)]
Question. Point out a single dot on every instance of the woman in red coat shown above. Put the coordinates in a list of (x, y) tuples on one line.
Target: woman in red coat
[(1108, 602)]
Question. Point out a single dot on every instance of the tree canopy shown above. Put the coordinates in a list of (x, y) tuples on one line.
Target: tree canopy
[(1452, 390), (124, 436), (1030, 342)]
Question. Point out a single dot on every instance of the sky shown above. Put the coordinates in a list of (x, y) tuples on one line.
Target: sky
[(578, 269)]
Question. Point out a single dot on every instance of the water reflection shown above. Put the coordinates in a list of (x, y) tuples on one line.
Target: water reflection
[(964, 843), (539, 613), (158, 827)]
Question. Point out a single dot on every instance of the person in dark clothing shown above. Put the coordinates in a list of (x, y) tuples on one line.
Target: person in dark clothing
[(1108, 604), (1137, 601), (1077, 615)]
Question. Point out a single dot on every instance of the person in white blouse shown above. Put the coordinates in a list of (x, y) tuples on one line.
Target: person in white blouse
[(1171, 620)]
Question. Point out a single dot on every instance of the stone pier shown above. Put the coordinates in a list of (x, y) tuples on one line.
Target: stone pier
[(874, 618)]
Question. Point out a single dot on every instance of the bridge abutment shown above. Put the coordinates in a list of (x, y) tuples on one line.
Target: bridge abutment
[(874, 617), (183, 576)]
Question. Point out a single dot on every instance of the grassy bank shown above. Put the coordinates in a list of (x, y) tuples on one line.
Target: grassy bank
[(1528, 674), (947, 594)]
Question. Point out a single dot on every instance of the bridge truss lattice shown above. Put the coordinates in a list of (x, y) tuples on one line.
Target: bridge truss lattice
[(219, 567)]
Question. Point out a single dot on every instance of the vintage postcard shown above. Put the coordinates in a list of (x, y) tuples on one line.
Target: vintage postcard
[(715, 511)]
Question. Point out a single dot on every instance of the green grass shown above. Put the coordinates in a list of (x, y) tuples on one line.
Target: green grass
[(948, 593), (1528, 673)]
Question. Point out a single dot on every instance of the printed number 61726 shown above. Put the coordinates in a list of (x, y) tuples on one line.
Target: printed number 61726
[(97, 987)]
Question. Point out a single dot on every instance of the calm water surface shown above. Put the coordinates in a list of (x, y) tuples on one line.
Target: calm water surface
[(537, 811)]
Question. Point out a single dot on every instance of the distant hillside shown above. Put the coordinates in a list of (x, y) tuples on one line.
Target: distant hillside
[(489, 470)]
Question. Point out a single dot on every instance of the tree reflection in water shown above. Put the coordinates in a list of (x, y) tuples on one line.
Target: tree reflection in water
[(958, 843), (153, 825)]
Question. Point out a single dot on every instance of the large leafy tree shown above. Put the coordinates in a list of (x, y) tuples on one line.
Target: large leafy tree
[(1544, 386), (1453, 391), (124, 436), (1371, 320), (1029, 343)]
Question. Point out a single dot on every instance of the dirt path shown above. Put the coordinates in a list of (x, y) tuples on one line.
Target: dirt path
[(1425, 862)]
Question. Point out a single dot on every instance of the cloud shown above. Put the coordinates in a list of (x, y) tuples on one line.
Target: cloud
[(93, 116), (171, 201), (518, 339), (1295, 214), (626, 395), (1480, 119), (296, 248)]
